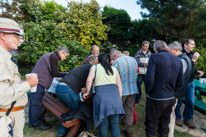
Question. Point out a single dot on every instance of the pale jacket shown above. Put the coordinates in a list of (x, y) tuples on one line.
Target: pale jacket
[(11, 87)]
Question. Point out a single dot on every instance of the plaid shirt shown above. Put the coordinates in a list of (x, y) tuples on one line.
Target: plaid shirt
[(127, 68)]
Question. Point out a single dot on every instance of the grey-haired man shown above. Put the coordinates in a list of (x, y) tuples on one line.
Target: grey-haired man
[(47, 69), (163, 76), (11, 87), (175, 49)]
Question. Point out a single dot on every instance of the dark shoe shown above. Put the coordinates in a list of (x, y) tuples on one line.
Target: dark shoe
[(127, 134), (149, 135), (60, 136), (179, 122), (163, 135), (42, 127), (42, 121), (189, 123)]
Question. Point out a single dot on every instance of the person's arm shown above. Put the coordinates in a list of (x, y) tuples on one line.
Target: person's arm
[(10, 92), (149, 76), (119, 84), (180, 79), (54, 67), (89, 82), (137, 57)]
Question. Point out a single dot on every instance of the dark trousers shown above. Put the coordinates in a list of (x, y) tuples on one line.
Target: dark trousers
[(140, 79), (158, 115), (35, 106)]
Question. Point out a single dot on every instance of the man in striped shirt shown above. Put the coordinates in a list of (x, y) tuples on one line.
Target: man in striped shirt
[(127, 68)]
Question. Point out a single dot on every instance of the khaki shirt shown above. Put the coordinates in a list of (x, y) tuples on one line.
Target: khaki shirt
[(11, 88)]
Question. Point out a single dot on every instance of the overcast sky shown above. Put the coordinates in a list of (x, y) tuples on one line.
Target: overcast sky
[(129, 5)]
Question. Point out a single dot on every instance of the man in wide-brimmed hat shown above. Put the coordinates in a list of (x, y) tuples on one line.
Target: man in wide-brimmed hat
[(11, 87)]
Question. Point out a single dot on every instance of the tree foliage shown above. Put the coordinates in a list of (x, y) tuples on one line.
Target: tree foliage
[(119, 22), (176, 19), (84, 23), (76, 27)]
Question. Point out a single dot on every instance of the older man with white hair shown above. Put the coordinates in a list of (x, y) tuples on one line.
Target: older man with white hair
[(164, 75), (11, 87), (94, 51), (175, 48)]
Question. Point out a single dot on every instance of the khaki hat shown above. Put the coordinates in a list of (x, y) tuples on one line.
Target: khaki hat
[(9, 26)]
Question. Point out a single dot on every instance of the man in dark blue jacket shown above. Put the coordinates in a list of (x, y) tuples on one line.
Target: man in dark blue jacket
[(164, 76)]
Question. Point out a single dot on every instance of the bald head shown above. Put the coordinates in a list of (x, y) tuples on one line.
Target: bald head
[(95, 50), (116, 54)]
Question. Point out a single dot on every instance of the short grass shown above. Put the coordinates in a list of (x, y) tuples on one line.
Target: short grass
[(138, 128)]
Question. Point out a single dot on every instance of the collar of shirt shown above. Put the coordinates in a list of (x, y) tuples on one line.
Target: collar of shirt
[(5, 52), (121, 55), (143, 52), (57, 54)]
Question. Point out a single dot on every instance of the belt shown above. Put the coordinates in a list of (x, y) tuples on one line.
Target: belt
[(13, 109)]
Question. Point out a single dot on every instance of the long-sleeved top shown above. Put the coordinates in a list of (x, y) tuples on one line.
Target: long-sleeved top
[(127, 68), (11, 88), (194, 71), (45, 67), (164, 75), (141, 59)]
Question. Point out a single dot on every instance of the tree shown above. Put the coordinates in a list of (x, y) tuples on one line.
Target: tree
[(52, 25), (45, 34), (119, 22), (176, 19), (13, 9), (84, 23)]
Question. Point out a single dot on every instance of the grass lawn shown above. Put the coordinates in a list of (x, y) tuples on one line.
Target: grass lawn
[(138, 128)]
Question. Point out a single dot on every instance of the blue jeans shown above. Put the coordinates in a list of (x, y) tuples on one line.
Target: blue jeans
[(114, 126), (138, 96), (35, 106), (189, 103), (11, 131), (69, 98)]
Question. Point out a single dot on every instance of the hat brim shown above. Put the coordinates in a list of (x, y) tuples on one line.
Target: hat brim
[(11, 31)]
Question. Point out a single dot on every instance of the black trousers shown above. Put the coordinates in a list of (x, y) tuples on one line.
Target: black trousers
[(158, 115)]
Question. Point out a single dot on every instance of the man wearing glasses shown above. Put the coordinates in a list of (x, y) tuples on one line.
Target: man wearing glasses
[(47, 69), (11, 87)]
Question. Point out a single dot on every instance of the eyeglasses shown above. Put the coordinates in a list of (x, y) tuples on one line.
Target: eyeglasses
[(17, 36), (65, 55)]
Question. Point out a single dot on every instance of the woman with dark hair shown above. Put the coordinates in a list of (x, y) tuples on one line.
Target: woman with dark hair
[(107, 104)]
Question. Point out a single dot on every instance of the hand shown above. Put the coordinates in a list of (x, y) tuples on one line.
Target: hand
[(195, 56), (147, 96), (32, 80), (200, 73), (146, 64), (84, 95)]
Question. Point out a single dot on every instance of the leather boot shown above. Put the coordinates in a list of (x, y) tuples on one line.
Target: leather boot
[(163, 135)]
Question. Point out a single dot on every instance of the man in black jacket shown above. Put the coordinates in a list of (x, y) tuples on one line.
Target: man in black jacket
[(188, 45), (164, 76), (69, 87), (175, 48)]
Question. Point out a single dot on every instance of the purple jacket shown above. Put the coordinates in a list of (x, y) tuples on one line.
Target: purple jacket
[(43, 70)]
